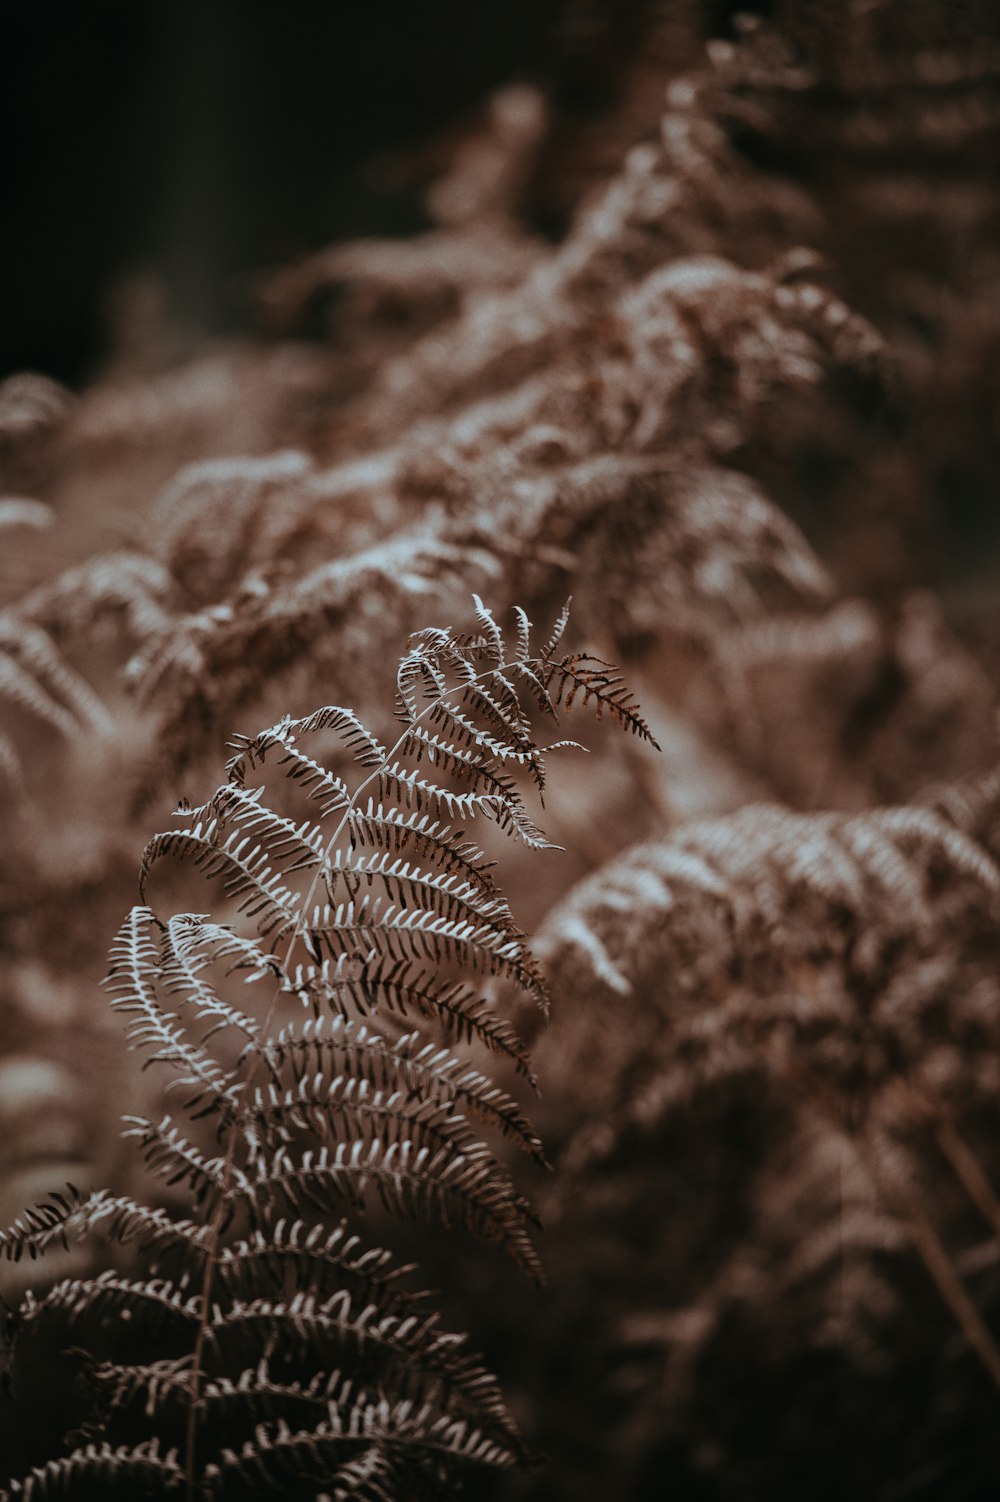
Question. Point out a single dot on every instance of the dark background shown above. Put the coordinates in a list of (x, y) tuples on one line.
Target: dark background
[(208, 139)]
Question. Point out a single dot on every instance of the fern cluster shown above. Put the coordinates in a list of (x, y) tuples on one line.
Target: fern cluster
[(826, 985), (602, 406), (268, 1350), (718, 363)]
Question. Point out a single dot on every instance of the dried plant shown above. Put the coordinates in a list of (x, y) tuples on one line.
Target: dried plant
[(717, 363), (827, 982), (267, 1350)]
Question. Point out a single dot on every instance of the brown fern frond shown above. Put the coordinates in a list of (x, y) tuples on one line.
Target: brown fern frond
[(36, 677), (129, 588), (284, 1126), (218, 520), (594, 680), (764, 925), (117, 1469)]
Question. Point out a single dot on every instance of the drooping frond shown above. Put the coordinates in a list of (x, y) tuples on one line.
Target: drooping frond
[(51, 688), (73, 1215), (299, 1253), (189, 946), (406, 1342), (394, 829), (315, 780), (156, 1302), (390, 1441), (599, 683), (114, 1470), (422, 1167), (405, 931), (247, 873), (130, 589)]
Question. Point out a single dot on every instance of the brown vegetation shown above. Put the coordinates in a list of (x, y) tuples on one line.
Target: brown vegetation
[(743, 411)]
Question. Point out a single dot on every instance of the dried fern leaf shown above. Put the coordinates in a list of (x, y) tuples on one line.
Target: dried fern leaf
[(303, 1341)]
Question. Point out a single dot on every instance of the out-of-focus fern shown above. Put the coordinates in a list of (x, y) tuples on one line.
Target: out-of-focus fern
[(820, 953), (37, 682), (260, 1348)]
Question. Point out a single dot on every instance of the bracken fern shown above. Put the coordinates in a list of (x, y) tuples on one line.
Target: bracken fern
[(259, 1347)]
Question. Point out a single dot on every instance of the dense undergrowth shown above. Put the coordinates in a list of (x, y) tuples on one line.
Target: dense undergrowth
[(741, 407)]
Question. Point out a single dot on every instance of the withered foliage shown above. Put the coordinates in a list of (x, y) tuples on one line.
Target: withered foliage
[(265, 1349), (741, 408)]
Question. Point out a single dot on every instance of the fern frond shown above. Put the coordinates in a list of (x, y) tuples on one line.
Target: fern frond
[(75, 1215), (61, 695), (298, 1254), (598, 682), (296, 847), (392, 829), (414, 1177), (119, 1470), (279, 1455), (36, 1229), (189, 945), (219, 519), (125, 587), (151, 1303), (151, 1382), (19, 688), (466, 742), (135, 970), (410, 886), (497, 798), (371, 1477), (419, 934), (798, 932), (246, 872), (363, 746), (311, 1120), (317, 781), (167, 1152), (407, 1341), (350, 1050), (462, 1012), (398, 781)]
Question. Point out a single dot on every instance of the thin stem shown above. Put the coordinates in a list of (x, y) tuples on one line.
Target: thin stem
[(925, 1240), (969, 1171), (937, 1260), (954, 1149)]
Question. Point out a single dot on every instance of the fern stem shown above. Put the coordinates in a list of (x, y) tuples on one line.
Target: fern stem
[(937, 1260), (969, 1171), (925, 1240), (954, 1149)]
